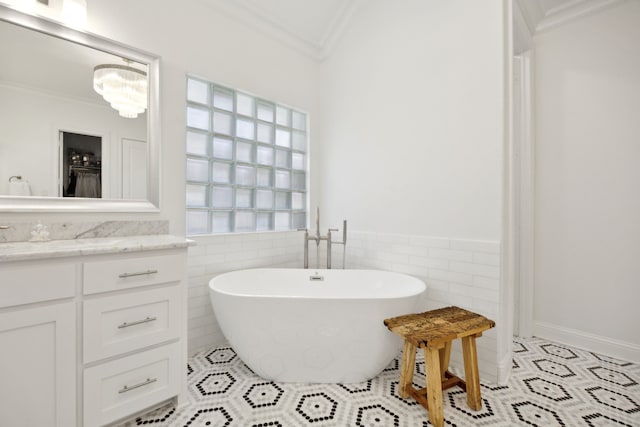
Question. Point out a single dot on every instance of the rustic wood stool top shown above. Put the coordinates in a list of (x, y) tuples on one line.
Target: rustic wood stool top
[(433, 331), (436, 327)]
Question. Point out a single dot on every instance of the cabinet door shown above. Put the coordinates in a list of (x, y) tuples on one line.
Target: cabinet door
[(38, 366)]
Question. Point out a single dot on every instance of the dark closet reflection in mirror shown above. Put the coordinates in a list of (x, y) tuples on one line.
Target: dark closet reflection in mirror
[(81, 165)]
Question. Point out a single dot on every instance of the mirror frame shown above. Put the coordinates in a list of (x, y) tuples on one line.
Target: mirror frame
[(68, 205)]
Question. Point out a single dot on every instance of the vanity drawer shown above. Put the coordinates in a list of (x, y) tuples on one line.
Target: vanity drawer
[(125, 386), (29, 283), (104, 276), (118, 324)]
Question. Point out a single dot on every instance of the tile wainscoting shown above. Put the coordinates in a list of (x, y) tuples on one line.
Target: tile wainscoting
[(214, 255), (458, 272)]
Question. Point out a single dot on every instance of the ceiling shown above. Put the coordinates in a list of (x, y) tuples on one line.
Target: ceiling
[(314, 26)]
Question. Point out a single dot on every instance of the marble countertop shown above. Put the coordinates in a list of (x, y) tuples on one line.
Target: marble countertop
[(21, 251)]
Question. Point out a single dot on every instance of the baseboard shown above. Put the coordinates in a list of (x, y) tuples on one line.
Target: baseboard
[(598, 344)]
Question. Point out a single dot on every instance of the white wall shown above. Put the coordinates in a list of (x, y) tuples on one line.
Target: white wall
[(29, 140), (412, 133), (412, 119), (587, 195)]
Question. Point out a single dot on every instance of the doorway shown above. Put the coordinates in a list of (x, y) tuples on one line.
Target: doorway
[(80, 165)]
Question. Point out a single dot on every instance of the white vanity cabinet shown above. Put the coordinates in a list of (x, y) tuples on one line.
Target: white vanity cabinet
[(38, 344), (93, 339), (133, 334)]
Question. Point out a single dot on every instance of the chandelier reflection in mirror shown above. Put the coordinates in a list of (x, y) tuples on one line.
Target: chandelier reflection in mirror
[(122, 86)]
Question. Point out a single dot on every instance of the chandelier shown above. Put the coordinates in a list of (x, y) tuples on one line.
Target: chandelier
[(122, 86)]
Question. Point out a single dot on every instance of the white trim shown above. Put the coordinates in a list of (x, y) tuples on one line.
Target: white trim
[(596, 343), (522, 30), (570, 11), (17, 204), (539, 20), (508, 266), (504, 368), (259, 19), (525, 195), (532, 13), (242, 12), (337, 28)]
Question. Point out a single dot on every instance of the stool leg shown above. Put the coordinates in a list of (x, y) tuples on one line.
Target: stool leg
[(445, 355), (407, 368), (472, 377), (434, 386)]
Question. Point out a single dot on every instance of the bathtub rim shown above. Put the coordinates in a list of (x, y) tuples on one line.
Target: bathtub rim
[(416, 293)]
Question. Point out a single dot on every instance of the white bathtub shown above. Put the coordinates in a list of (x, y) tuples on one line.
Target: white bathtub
[(287, 327)]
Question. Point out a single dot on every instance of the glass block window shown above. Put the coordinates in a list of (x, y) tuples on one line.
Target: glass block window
[(246, 162)]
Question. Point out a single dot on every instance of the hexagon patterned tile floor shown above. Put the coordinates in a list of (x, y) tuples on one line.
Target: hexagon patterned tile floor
[(551, 385)]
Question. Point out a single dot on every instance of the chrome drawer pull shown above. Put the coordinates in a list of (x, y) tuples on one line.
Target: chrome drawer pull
[(140, 273), (137, 322), (142, 384)]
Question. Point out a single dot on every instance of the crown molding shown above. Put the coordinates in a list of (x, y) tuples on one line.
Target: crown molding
[(572, 10), (259, 19), (338, 27), (522, 33), (531, 12), (240, 12)]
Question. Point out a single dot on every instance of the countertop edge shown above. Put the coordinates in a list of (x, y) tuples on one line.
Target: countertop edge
[(27, 251)]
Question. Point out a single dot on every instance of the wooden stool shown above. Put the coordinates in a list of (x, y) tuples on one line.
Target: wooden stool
[(433, 331)]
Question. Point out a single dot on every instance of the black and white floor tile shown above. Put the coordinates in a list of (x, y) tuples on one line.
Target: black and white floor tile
[(551, 385)]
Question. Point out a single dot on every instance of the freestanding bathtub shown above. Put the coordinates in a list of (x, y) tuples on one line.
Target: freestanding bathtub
[(313, 326)]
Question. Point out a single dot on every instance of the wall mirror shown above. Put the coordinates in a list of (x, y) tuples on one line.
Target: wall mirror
[(63, 145)]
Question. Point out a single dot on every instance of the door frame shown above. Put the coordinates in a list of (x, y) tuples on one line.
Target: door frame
[(523, 189), (58, 159)]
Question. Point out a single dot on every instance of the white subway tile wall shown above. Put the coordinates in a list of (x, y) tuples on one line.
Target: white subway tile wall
[(465, 273), (213, 255)]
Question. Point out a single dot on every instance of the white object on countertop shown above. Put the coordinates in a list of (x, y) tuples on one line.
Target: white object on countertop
[(19, 188), (40, 233)]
